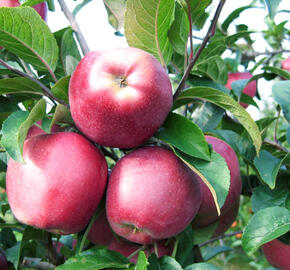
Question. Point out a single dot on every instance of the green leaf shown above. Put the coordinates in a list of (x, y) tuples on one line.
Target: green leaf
[(268, 167), (169, 263), (202, 235), (198, 14), (80, 6), (213, 67), (226, 102), (215, 174), (264, 197), (178, 33), (142, 261), (24, 33), (278, 71), (15, 129), (211, 252), (266, 225), (19, 85), (184, 135), (281, 93), (272, 7), (185, 245), (14, 253), (32, 2), (116, 12), (234, 15), (202, 266), (69, 53), (61, 114), (207, 116), (94, 259), (147, 23), (60, 89)]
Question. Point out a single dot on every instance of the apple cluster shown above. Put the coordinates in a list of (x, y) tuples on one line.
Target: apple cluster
[(118, 98)]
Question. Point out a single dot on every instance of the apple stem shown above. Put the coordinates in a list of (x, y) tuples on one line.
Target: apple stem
[(136, 252), (79, 35), (45, 89), (176, 243), (80, 247), (210, 33)]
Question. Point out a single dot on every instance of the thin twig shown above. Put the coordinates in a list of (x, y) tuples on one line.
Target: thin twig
[(45, 89), (252, 55), (210, 33), (79, 35), (276, 145), (219, 237)]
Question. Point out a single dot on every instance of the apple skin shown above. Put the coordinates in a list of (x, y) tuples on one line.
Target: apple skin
[(250, 89), (226, 220), (277, 254), (207, 213), (3, 262), (68, 175), (286, 64), (119, 98), (151, 195), (41, 8)]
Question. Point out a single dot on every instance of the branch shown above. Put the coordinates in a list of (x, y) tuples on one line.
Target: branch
[(252, 55), (45, 89), (218, 238), (277, 145), (210, 33), (79, 35)]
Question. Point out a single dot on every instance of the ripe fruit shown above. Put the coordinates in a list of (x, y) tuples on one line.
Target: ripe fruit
[(119, 98), (40, 8), (68, 175), (3, 262), (286, 64), (277, 254), (250, 89), (151, 195), (207, 213), (226, 219)]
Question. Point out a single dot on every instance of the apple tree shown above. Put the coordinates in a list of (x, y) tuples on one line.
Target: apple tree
[(163, 155)]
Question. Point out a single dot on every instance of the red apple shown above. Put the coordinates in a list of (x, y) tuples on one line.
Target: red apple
[(40, 8), (286, 64), (207, 213), (250, 88), (119, 98), (277, 254), (60, 185), (3, 262), (151, 195), (226, 219)]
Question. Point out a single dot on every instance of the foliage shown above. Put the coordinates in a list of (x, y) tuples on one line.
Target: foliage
[(35, 69)]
